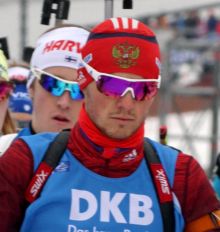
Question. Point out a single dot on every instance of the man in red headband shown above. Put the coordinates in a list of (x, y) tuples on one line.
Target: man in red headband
[(111, 178)]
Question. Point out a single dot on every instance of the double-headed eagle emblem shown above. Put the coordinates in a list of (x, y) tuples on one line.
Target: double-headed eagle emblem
[(125, 54)]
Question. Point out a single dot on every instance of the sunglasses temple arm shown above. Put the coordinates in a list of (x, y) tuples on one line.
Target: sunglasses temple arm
[(92, 72)]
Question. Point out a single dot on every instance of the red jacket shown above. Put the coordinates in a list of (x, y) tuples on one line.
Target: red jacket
[(191, 185)]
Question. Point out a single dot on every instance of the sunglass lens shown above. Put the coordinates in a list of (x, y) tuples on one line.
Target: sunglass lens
[(116, 87), (52, 85), (47, 82), (144, 90), (111, 86), (150, 90), (76, 93), (57, 87)]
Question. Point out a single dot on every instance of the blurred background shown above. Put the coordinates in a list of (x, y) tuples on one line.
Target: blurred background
[(189, 36)]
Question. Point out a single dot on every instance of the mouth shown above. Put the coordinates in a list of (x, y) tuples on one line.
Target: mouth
[(61, 119), (123, 119)]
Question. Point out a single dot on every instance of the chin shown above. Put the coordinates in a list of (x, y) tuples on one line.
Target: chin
[(55, 129), (61, 126), (119, 134)]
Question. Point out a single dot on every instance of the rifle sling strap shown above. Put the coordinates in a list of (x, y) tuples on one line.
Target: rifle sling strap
[(50, 161), (165, 199)]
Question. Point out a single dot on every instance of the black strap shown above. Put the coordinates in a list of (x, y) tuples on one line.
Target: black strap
[(49, 162), (167, 208), (56, 149)]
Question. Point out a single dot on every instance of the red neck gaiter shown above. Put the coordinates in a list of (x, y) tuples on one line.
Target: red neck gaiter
[(104, 155)]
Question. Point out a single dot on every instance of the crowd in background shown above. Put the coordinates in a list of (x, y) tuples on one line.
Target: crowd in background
[(191, 24), (188, 24), (200, 25)]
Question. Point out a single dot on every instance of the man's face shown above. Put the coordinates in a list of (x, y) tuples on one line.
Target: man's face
[(53, 113), (117, 118)]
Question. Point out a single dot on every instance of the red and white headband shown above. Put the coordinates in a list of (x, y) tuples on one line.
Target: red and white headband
[(59, 47)]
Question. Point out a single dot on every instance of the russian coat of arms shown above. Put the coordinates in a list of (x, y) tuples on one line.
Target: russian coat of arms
[(125, 54)]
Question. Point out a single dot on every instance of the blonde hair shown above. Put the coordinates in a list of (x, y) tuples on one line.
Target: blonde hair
[(8, 124), (14, 63)]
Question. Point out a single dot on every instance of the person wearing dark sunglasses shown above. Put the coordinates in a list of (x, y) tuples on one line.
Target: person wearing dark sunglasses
[(110, 178), (56, 97), (52, 82), (6, 88)]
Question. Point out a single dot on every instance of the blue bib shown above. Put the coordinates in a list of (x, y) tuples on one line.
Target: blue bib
[(24, 132), (76, 199)]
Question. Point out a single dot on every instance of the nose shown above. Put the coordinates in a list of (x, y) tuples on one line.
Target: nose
[(64, 100), (127, 101)]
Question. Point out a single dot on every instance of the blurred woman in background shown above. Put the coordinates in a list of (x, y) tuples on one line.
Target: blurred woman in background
[(20, 103), (6, 87)]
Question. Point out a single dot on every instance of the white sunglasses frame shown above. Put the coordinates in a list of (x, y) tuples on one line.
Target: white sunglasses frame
[(35, 72), (96, 75)]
